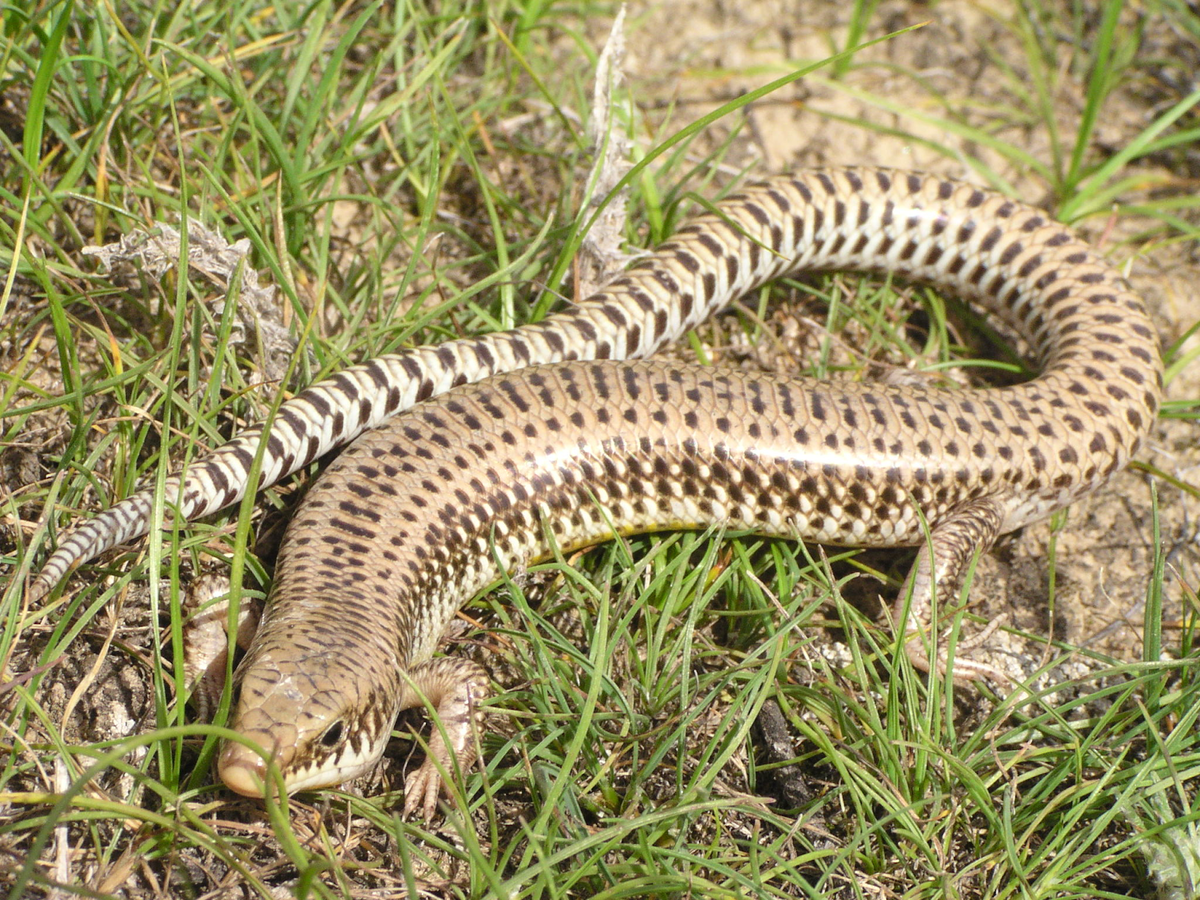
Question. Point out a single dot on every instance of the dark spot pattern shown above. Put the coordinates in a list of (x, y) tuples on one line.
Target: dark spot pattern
[(477, 478)]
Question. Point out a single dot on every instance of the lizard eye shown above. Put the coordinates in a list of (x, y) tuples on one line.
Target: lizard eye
[(333, 735)]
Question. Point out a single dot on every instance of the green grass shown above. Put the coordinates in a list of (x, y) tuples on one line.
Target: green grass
[(410, 175)]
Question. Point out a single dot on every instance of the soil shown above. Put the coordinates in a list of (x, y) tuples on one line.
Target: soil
[(692, 55)]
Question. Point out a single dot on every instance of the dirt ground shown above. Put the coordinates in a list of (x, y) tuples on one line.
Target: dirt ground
[(693, 54)]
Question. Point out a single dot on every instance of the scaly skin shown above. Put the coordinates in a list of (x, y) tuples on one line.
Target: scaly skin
[(409, 523)]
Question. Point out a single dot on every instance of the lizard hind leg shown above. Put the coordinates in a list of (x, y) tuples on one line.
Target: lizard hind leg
[(942, 564)]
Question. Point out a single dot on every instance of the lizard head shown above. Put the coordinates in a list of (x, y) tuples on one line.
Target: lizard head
[(319, 718)]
